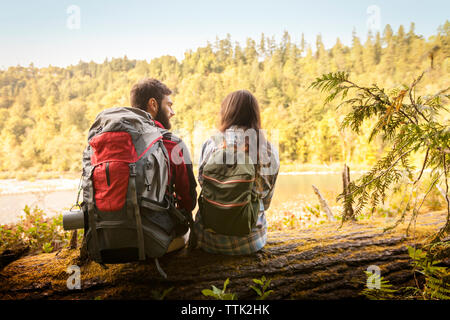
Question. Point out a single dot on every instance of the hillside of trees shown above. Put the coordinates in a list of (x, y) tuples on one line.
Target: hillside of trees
[(45, 113)]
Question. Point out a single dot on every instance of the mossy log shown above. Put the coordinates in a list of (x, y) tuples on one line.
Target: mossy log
[(324, 262)]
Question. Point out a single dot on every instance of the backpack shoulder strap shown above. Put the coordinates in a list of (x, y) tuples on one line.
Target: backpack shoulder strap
[(91, 216), (137, 214)]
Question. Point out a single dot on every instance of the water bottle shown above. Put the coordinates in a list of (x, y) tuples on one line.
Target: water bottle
[(73, 220)]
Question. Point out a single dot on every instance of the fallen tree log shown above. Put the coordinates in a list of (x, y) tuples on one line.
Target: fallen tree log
[(10, 255), (325, 262)]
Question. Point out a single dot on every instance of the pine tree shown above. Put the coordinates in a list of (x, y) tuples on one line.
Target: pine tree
[(302, 43), (357, 54), (409, 126), (250, 51), (262, 47), (28, 121), (377, 48), (339, 54), (389, 58)]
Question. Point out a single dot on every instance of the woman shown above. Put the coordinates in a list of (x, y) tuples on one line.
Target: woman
[(240, 113)]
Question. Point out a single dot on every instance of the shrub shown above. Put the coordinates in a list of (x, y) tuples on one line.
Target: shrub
[(36, 231)]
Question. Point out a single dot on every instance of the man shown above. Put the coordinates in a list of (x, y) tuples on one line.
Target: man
[(153, 96)]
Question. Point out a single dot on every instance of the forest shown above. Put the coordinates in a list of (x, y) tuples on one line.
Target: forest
[(378, 104), (41, 109)]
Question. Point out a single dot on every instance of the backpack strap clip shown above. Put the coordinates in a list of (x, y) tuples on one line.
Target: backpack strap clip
[(132, 169)]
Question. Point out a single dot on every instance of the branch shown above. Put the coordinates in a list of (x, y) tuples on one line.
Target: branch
[(437, 95), (387, 170), (415, 209), (447, 224), (324, 204), (423, 166), (442, 192), (402, 216), (413, 103), (377, 98), (410, 120)]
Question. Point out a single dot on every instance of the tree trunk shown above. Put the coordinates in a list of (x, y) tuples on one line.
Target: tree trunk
[(73, 240), (325, 262), (349, 214)]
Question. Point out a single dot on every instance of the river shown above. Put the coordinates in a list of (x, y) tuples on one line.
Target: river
[(57, 195)]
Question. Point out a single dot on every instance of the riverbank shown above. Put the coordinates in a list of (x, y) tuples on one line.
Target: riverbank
[(293, 193), (285, 168), (56, 195), (12, 183)]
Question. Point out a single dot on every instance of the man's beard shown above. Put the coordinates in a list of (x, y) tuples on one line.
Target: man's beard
[(162, 118)]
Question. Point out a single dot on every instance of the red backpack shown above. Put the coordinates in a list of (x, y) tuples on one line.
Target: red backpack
[(129, 213)]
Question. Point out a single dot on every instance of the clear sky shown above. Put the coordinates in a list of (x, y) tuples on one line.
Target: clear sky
[(51, 32)]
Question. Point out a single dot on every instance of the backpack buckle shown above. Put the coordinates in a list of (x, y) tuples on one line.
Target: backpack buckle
[(132, 169)]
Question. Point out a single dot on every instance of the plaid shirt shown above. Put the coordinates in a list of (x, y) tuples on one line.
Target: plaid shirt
[(213, 242), (231, 245)]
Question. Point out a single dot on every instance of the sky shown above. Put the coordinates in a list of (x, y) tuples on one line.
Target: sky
[(61, 32)]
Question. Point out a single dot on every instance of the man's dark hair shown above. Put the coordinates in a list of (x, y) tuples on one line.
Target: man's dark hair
[(146, 89)]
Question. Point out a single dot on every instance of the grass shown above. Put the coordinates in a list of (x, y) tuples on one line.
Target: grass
[(36, 231), (295, 215), (306, 213)]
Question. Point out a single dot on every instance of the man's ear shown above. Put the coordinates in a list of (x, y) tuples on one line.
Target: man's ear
[(152, 107)]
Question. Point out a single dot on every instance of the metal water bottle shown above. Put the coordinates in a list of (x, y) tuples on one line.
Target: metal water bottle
[(73, 220)]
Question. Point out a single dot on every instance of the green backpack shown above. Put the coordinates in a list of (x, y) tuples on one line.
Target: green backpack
[(228, 204)]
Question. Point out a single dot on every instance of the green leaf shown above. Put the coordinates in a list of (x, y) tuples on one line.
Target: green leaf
[(216, 290), (208, 293), (225, 284), (267, 284), (258, 291), (229, 296), (266, 294)]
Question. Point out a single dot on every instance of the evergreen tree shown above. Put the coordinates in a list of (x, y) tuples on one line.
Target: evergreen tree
[(409, 127), (40, 105)]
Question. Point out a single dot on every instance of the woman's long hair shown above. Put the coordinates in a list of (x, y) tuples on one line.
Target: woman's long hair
[(240, 108)]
